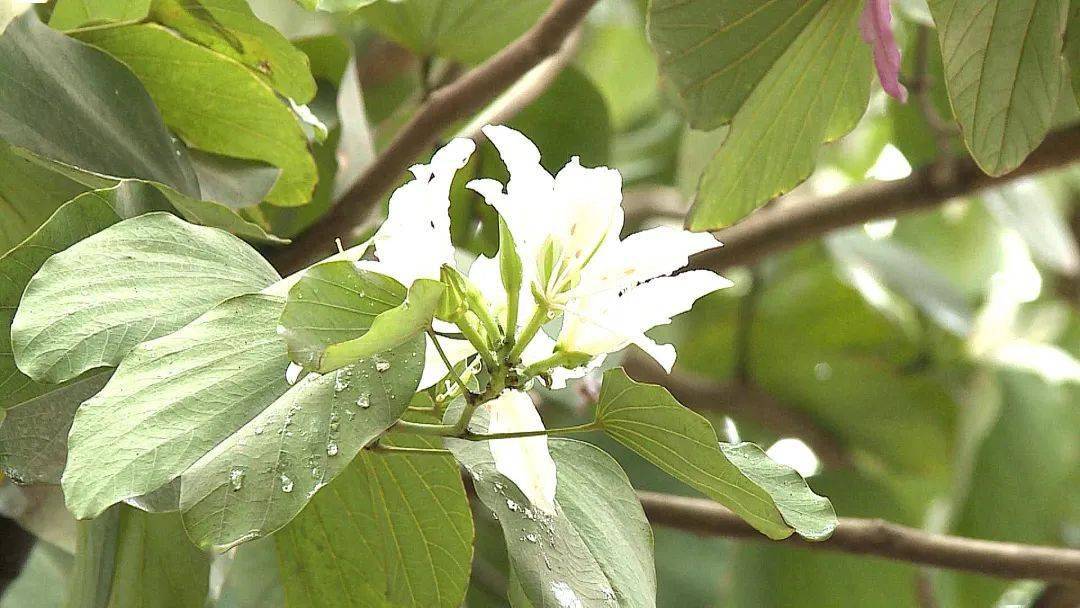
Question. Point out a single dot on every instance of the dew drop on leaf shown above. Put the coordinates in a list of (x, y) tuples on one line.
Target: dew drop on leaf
[(382, 365), (286, 484), (364, 400), (331, 449), (236, 478)]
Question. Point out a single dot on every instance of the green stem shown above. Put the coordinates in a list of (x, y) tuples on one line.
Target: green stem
[(393, 449), (478, 342), (544, 365), (423, 428), (449, 365), (539, 317), (567, 430)]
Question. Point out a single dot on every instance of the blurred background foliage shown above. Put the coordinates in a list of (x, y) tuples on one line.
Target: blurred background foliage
[(938, 351)]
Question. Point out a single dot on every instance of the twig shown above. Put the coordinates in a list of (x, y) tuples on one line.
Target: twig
[(456, 101), (786, 225), (742, 400), (880, 538)]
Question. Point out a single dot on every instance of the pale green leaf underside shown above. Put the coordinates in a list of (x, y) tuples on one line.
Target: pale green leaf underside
[(70, 224), (815, 92), (716, 51), (215, 104), (230, 28), (70, 102), (1003, 70), (597, 548), (400, 532), (261, 476), (649, 421), (89, 305)]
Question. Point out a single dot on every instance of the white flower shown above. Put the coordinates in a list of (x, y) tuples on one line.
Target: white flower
[(566, 229), (523, 460)]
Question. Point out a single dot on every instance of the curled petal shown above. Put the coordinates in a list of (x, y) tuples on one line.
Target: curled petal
[(645, 255), (590, 201), (415, 239), (876, 27), (525, 460)]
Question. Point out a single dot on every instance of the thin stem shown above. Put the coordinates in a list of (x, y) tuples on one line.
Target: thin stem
[(539, 317), (423, 428), (446, 360), (478, 342), (566, 430), (393, 449)]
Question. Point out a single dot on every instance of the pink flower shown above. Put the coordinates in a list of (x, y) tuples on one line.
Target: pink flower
[(876, 27)]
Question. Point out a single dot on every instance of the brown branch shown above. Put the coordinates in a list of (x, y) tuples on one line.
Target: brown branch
[(879, 538), (783, 226), (456, 101), (741, 400)]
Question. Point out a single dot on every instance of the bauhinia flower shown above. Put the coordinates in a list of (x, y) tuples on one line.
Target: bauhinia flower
[(565, 229)]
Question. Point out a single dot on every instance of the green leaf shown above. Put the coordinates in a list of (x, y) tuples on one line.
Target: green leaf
[(157, 409), (1072, 47), (71, 14), (337, 314), (134, 198), (798, 87), (90, 304), (73, 222), (596, 551), (811, 515), (29, 194), (455, 29), (231, 29), (233, 182), (648, 420), (1003, 70), (215, 104), (33, 434), (130, 558), (119, 132), (399, 530), (259, 477)]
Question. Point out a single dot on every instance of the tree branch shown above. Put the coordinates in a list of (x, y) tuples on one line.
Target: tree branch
[(457, 100), (783, 226), (879, 538), (742, 400)]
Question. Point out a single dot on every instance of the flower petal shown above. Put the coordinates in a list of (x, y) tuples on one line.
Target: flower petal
[(415, 239), (644, 255), (875, 23), (608, 322), (526, 460), (591, 201), (434, 368)]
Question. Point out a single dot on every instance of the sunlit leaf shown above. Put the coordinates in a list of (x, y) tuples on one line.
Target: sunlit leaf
[(71, 14), (215, 103), (1003, 69), (399, 530)]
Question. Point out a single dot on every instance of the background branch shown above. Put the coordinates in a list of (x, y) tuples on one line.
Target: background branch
[(783, 226), (879, 538), (445, 106)]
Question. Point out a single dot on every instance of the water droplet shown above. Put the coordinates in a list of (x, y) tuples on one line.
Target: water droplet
[(530, 537), (565, 595), (236, 478), (822, 371), (609, 594), (340, 382), (292, 373), (364, 400), (510, 504), (331, 449), (258, 430), (382, 365), (286, 484)]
